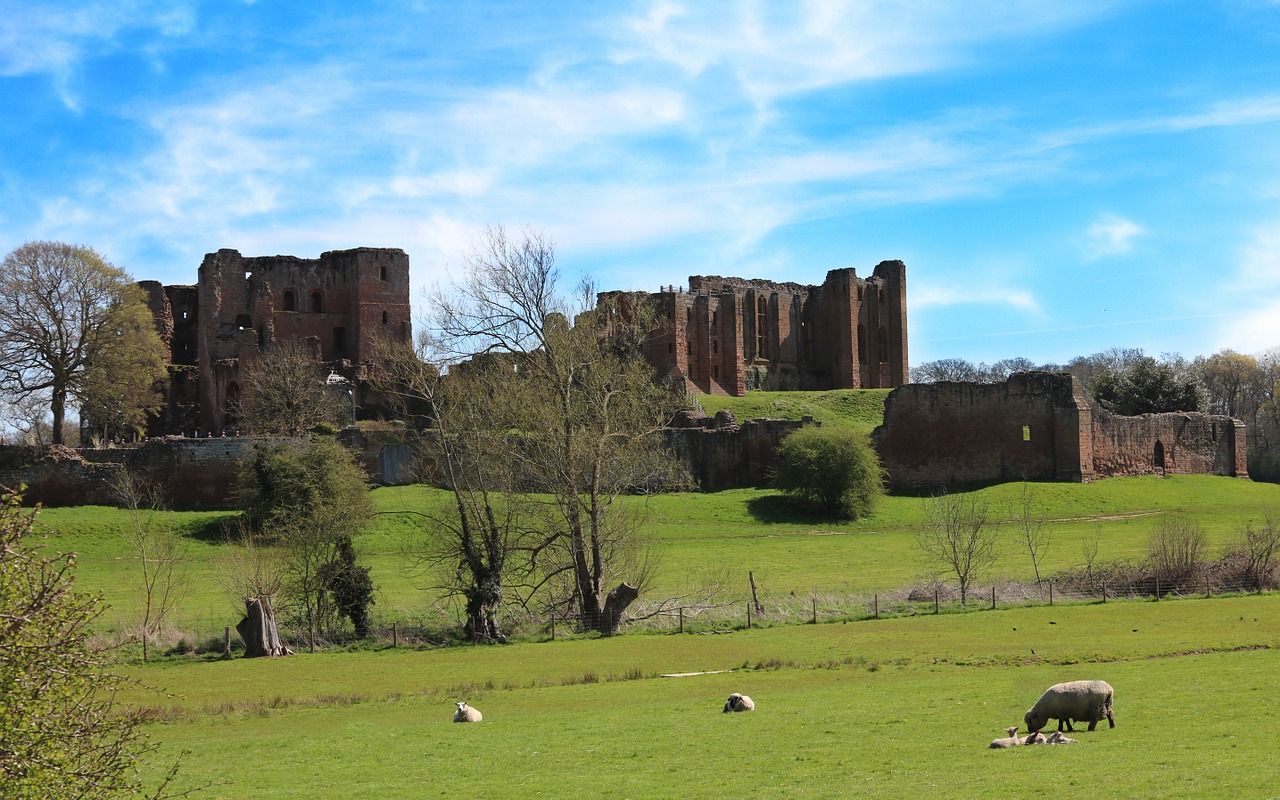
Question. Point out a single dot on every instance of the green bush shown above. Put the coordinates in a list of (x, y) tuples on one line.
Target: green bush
[(830, 471)]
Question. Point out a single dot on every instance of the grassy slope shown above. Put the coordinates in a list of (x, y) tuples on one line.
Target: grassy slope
[(861, 409), (900, 708), (699, 537)]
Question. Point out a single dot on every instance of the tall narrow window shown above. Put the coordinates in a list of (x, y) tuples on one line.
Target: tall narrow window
[(884, 346), (317, 303), (290, 304), (1026, 433), (339, 340), (762, 328), (384, 318), (382, 272)]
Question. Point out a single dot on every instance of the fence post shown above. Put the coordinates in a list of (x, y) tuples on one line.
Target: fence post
[(1104, 591), (748, 616), (1051, 591), (395, 635), (993, 598), (553, 626), (1157, 587), (877, 606), (1206, 587), (935, 601), (815, 609), (226, 641), (682, 619)]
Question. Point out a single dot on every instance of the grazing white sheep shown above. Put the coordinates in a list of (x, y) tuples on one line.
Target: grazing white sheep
[(1058, 737), (1081, 701), (466, 713), (1035, 737), (739, 702), (1011, 740)]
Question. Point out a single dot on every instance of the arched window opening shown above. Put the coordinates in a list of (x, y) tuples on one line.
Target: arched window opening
[(1158, 456), (317, 303), (290, 303), (244, 322)]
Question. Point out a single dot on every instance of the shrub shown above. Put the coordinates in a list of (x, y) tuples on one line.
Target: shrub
[(830, 471), (1174, 550)]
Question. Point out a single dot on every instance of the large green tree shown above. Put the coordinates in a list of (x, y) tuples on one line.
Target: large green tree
[(61, 733), (830, 471), (73, 327), (310, 499)]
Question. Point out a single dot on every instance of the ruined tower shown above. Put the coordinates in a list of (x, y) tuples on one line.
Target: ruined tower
[(729, 335)]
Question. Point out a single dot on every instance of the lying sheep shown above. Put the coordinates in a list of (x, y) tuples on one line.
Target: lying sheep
[(738, 702), (1035, 737), (466, 713), (1011, 740), (1079, 701), (1058, 737)]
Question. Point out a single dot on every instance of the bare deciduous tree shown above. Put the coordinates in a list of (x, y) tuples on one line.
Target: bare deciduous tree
[(957, 538), (1029, 527), (1174, 548), (567, 377), (283, 390), (161, 581), (1259, 548)]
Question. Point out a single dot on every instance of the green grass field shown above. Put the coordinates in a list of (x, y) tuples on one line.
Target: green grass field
[(885, 708), (860, 409), (896, 707), (697, 538)]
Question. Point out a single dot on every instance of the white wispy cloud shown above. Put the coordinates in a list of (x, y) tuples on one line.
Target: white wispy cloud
[(938, 294), (776, 49), (1111, 235)]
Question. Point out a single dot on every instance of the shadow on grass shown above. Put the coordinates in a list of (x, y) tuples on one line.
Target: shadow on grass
[(212, 529), (777, 508)]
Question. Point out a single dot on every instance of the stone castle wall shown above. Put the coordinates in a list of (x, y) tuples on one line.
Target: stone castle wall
[(1041, 426), (729, 335)]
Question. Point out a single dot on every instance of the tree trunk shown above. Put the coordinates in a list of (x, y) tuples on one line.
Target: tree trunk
[(258, 629), (610, 619), (58, 408), (482, 618)]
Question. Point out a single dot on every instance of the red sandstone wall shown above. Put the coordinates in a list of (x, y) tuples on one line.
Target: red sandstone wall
[(1186, 443), (956, 433), (1038, 426), (733, 457)]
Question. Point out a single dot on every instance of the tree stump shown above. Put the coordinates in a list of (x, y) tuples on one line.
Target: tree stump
[(258, 629)]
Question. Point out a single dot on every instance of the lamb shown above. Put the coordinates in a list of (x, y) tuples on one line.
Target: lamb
[(739, 702), (1079, 701), (1058, 737), (1011, 740), (466, 713), (1035, 737)]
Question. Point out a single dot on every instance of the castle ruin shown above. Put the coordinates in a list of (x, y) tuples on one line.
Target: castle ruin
[(726, 336), (340, 302)]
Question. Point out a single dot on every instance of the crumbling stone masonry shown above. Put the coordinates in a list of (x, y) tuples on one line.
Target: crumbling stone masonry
[(727, 335), (340, 302), (1042, 426)]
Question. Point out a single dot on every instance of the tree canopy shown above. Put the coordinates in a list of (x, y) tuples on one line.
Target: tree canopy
[(75, 328)]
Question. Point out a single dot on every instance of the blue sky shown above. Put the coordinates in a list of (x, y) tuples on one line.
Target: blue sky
[(1059, 177)]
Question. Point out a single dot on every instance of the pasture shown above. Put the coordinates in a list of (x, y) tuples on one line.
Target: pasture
[(696, 539), (879, 708)]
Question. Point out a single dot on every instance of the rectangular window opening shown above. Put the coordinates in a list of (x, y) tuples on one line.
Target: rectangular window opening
[(1026, 433)]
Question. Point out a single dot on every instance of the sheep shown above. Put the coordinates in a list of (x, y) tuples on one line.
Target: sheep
[(739, 702), (1035, 737), (466, 713), (1011, 740), (1058, 737), (1080, 701)]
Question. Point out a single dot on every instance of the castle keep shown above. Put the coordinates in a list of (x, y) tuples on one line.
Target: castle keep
[(728, 335), (340, 302)]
